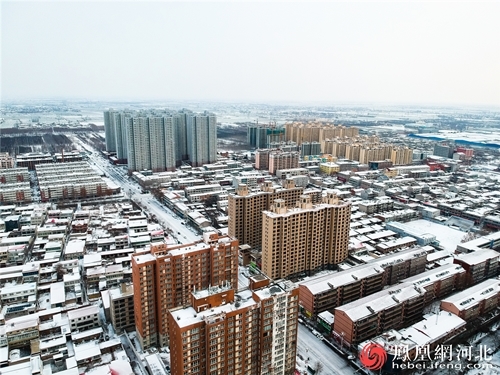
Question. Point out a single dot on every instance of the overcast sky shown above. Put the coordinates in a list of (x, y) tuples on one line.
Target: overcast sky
[(333, 52)]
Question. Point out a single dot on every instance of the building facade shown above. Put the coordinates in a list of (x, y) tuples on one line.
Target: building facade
[(392, 308), (121, 306), (306, 238), (479, 265), (245, 209), (201, 133), (475, 301), (283, 160), (164, 278), (252, 332)]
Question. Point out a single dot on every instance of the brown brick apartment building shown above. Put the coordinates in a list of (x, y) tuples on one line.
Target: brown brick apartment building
[(440, 281), (433, 330), (367, 317), (325, 293), (248, 333), (165, 277), (474, 301), (479, 265)]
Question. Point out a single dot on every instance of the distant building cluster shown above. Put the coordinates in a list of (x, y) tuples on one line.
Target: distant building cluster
[(265, 136), (161, 140), (307, 141), (449, 150), (314, 131), (365, 149), (70, 180), (31, 159)]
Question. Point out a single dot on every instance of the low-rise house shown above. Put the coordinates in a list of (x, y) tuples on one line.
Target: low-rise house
[(84, 318)]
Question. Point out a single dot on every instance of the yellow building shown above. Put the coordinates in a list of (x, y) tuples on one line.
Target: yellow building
[(329, 168), (316, 131), (401, 155)]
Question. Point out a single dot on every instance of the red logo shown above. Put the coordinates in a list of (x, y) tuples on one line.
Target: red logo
[(373, 356)]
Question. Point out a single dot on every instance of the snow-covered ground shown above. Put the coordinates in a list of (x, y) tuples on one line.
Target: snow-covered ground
[(448, 237), (311, 350)]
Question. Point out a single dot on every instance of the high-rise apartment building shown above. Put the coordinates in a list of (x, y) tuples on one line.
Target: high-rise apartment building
[(401, 156), (165, 277), (310, 148), (314, 131), (245, 209), (161, 140), (109, 130), (262, 136), (139, 156), (116, 133), (352, 151), (444, 150), (252, 332), (376, 152), (262, 158), (306, 238), (121, 136), (181, 145), (283, 160), (201, 133)]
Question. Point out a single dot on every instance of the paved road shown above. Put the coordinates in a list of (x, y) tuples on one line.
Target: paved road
[(118, 176), (312, 347)]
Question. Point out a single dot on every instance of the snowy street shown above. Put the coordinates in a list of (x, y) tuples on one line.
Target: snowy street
[(309, 346)]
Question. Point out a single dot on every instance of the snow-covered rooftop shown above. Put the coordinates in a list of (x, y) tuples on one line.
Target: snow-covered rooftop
[(380, 301), (474, 295), (425, 332), (189, 316), (83, 312), (435, 274), (478, 256), (322, 283)]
